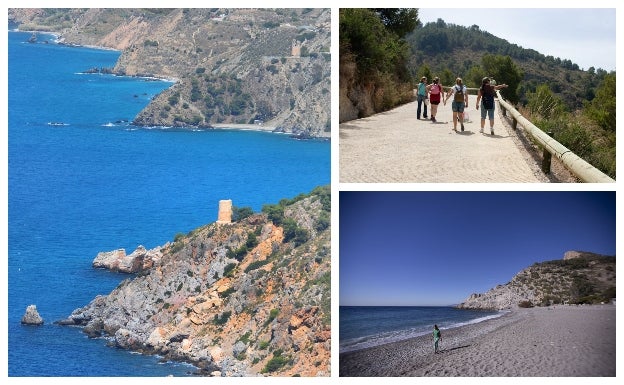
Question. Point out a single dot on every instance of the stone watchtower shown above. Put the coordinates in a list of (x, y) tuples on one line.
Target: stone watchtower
[(295, 50), (225, 211)]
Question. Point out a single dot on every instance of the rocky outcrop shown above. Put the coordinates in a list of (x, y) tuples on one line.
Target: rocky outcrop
[(228, 298), (572, 254), (237, 66), (139, 260), (580, 277), (32, 317)]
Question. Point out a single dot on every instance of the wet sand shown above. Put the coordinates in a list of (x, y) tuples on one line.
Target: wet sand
[(557, 341)]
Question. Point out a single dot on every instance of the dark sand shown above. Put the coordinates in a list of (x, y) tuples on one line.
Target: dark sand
[(557, 341)]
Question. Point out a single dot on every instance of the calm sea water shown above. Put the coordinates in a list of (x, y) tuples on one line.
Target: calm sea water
[(82, 180), (367, 326)]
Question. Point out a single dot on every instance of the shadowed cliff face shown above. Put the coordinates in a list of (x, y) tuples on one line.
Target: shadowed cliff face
[(580, 277), (240, 299), (236, 66)]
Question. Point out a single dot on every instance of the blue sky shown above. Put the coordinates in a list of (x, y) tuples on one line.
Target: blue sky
[(436, 248), (584, 35)]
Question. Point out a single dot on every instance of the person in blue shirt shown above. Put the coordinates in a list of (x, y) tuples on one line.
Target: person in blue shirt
[(422, 95)]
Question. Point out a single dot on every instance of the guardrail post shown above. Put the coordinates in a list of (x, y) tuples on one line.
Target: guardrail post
[(504, 111), (547, 157), (514, 123)]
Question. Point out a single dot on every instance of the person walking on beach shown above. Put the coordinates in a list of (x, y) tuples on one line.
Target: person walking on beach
[(486, 96), (435, 94), (422, 95), (437, 337), (460, 100)]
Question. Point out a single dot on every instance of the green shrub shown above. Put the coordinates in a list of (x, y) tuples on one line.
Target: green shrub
[(227, 270), (252, 240), (255, 265), (227, 292), (272, 315), (276, 363), (245, 337), (240, 213), (225, 316)]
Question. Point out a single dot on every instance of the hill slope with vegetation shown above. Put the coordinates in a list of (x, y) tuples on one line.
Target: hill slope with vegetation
[(578, 278), (239, 66)]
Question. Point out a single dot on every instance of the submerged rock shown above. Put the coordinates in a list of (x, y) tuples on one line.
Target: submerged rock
[(32, 317)]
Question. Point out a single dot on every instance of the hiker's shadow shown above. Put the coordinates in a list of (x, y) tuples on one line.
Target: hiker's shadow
[(495, 136), (455, 348), (466, 133)]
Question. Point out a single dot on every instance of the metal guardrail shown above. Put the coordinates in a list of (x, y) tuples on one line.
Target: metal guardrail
[(575, 164)]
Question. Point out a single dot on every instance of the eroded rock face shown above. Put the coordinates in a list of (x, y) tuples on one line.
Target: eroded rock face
[(139, 260), (32, 317)]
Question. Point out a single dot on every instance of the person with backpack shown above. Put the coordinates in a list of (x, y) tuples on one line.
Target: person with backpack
[(486, 95), (422, 95), (460, 101), (435, 94)]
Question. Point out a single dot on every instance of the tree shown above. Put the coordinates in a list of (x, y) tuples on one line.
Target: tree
[(544, 103), (401, 21), (240, 213), (504, 70), (602, 108)]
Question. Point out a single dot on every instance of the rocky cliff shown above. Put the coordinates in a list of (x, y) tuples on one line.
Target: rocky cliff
[(236, 66), (247, 298), (580, 277)]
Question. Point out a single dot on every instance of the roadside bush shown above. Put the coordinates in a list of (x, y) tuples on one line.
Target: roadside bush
[(525, 304)]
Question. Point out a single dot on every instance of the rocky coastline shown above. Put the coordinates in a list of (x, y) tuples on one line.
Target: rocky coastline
[(232, 66), (240, 298)]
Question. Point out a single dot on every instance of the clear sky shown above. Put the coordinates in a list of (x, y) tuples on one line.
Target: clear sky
[(436, 248), (586, 36)]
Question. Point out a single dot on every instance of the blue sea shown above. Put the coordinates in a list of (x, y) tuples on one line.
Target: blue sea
[(82, 179), (367, 326)]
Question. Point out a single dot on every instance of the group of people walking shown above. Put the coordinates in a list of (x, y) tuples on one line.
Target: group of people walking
[(434, 94)]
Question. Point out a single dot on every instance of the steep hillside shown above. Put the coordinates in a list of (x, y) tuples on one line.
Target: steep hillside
[(580, 277), (237, 66), (246, 298)]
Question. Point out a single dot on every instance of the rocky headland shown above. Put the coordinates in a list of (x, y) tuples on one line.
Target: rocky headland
[(262, 67), (579, 277), (248, 296)]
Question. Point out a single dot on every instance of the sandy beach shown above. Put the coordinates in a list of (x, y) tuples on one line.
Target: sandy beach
[(249, 127), (556, 341)]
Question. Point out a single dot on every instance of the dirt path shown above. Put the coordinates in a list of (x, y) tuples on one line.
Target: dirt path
[(394, 147)]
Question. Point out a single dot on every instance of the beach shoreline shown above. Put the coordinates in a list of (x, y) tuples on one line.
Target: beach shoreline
[(555, 341), (244, 127)]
